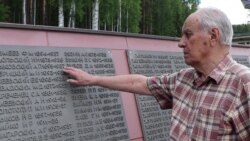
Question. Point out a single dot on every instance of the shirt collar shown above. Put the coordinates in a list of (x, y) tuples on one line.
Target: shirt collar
[(217, 73)]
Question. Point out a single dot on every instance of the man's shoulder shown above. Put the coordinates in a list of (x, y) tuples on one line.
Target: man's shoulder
[(241, 71), (187, 72)]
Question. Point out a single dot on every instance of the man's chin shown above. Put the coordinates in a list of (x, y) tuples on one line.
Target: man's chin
[(188, 62)]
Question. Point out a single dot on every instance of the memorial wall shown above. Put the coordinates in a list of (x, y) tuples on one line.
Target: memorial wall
[(36, 103), (155, 122)]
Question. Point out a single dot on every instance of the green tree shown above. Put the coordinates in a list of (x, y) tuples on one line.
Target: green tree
[(163, 19), (146, 24), (74, 11), (109, 10), (157, 17), (241, 28), (13, 10), (4, 12), (131, 16)]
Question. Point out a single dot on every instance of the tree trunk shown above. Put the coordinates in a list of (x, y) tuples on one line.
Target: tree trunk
[(24, 12), (34, 13), (60, 14), (112, 24), (44, 16), (120, 17), (127, 21), (95, 17), (72, 14), (143, 18), (30, 12)]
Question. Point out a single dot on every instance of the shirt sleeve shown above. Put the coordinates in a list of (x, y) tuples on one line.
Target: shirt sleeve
[(242, 115), (160, 88)]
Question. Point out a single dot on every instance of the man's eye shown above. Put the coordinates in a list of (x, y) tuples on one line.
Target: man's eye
[(188, 34)]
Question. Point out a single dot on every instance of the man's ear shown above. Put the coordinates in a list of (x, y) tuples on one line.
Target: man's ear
[(214, 36)]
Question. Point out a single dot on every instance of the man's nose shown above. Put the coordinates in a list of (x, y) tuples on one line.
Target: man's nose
[(181, 43)]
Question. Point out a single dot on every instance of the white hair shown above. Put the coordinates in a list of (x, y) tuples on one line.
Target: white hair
[(211, 18)]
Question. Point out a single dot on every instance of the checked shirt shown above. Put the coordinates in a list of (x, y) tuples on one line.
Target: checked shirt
[(216, 109)]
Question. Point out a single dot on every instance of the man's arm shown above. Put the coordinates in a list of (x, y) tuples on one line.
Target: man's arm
[(132, 83)]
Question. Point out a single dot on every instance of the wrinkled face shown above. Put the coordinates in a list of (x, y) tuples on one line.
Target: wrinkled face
[(194, 41)]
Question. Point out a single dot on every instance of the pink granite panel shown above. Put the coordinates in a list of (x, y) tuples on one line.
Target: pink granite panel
[(153, 44), (63, 39), (128, 99), (22, 37), (240, 51)]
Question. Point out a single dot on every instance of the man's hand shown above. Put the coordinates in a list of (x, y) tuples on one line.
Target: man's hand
[(132, 83), (79, 77)]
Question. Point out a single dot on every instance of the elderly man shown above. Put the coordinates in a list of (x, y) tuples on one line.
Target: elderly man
[(210, 101)]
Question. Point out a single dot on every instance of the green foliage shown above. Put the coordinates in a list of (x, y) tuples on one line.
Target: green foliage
[(12, 11), (109, 10), (157, 17), (165, 17), (131, 12), (241, 28), (79, 9), (4, 12), (163, 20)]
